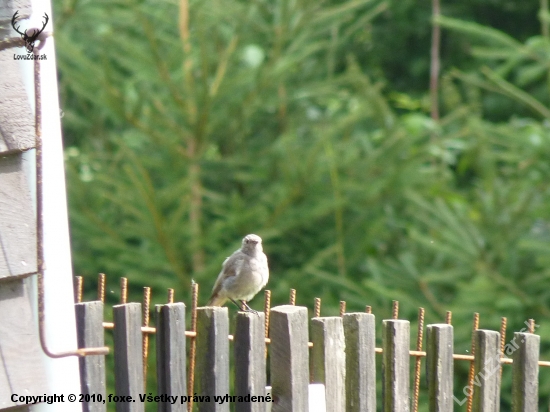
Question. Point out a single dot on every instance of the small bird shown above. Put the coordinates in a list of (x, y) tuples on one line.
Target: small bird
[(243, 274)]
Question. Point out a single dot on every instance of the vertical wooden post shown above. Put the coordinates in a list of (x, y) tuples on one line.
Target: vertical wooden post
[(289, 358), (250, 376), (89, 323), (359, 330), (396, 383), (439, 367), (525, 386), (487, 371), (212, 363), (170, 342), (128, 355), (328, 360)]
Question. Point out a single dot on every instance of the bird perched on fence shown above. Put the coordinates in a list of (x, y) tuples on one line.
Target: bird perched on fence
[(243, 274)]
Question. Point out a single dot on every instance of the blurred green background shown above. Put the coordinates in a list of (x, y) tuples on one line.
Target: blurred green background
[(190, 124)]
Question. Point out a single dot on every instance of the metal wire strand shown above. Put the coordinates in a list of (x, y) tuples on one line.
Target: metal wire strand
[(292, 299), (472, 365), (317, 308), (395, 309), (342, 307), (145, 336), (78, 289), (193, 348), (419, 338), (101, 287)]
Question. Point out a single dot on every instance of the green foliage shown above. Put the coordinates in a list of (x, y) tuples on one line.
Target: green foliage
[(274, 117)]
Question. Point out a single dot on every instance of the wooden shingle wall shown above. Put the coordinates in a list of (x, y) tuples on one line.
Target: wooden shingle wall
[(21, 367)]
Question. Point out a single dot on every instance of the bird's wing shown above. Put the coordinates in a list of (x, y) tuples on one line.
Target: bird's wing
[(230, 267)]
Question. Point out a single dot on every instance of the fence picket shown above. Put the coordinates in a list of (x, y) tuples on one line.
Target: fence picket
[(487, 371), (128, 356), (396, 383), (212, 363), (328, 360), (439, 367), (89, 320), (359, 331), (525, 386), (250, 374), (289, 358), (170, 343)]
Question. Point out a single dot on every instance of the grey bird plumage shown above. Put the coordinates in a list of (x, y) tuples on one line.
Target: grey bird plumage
[(243, 274)]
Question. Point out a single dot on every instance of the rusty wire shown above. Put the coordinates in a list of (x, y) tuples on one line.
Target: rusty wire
[(123, 290), (317, 308), (475, 327), (267, 310), (503, 322), (78, 289), (101, 287), (342, 307), (193, 348), (418, 363), (41, 266), (531, 325), (395, 309), (145, 336), (292, 299), (418, 353)]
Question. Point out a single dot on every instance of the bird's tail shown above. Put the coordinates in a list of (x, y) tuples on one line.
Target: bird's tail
[(216, 300)]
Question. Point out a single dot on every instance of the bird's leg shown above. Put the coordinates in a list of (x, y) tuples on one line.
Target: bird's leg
[(244, 306), (248, 308)]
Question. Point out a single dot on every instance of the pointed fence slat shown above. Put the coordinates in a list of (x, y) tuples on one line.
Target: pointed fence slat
[(395, 366), (128, 356), (212, 362), (439, 367), (328, 360), (525, 387), (342, 362), (359, 331), (250, 375), (171, 371), (89, 320), (289, 358), (487, 371)]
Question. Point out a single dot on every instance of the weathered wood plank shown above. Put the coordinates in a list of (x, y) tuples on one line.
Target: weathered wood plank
[(128, 355), (90, 334), (17, 220), (250, 376), (395, 365), (16, 120), (487, 371), (328, 360), (439, 367), (7, 8), (212, 360), (525, 386), (22, 356), (289, 358), (171, 372), (359, 331)]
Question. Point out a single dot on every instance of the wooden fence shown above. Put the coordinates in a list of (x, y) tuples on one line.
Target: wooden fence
[(338, 352)]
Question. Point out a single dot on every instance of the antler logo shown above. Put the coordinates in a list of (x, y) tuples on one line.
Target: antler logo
[(28, 39)]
